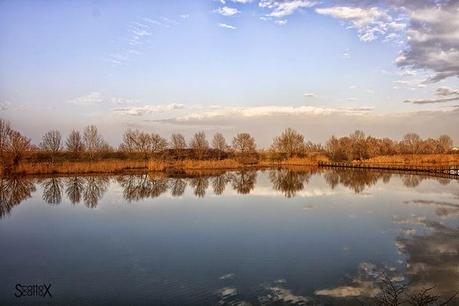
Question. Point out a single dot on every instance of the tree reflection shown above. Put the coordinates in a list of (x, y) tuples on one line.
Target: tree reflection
[(411, 180), (74, 187), (178, 186), (355, 179), (200, 184), (52, 190), (288, 182), (243, 181), (13, 191), (137, 187), (219, 183), (94, 189)]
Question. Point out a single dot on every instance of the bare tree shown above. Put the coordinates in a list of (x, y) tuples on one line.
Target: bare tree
[(19, 145), (136, 141), (129, 143), (445, 143), (290, 142), (219, 142), (177, 142), (411, 143), (93, 141), (13, 146), (51, 142), (244, 143), (158, 143), (5, 132), (199, 144), (74, 143)]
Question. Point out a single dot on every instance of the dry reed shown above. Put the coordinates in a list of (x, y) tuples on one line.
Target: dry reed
[(416, 159)]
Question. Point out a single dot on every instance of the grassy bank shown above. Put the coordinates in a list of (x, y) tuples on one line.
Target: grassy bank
[(126, 165), (118, 166), (415, 159)]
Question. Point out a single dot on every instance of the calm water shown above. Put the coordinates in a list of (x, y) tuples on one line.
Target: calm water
[(236, 238)]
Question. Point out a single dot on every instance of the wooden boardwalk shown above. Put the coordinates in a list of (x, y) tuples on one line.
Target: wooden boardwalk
[(449, 170)]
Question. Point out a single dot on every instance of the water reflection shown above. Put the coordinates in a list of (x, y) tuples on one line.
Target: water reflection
[(360, 179), (177, 186), (412, 242), (433, 258), (90, 189), (93, 190), (13, 191), (288, 182), (219, 183), (199, 184), (73, 188), (137, 187), (355, 179), (52, 190), (243, 182)]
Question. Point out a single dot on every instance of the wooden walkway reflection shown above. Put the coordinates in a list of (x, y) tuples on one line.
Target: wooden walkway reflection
[(449, 170)]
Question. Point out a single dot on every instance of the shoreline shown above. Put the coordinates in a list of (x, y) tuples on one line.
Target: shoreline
[(125, 166), (119, 166)]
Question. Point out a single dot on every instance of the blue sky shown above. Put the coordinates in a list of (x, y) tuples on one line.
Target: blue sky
[(212, 65)]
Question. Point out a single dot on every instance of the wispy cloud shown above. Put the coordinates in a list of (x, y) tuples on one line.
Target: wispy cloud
[(147, 109), (445, 94), (432, 101), (433, 40), (263, 111), (285, 8), (227, 11), (4, 105), (95, 98), (138, 36), (369, 22), (310, 95), (226, 26), (240, 1), (281, 22), (447, 91)]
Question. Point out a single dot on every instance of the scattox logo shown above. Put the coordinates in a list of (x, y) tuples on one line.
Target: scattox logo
[(43, 290)]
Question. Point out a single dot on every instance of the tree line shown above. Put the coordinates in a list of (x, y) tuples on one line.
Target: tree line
[(90, 144)]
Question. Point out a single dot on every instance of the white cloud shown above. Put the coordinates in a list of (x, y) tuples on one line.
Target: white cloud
[(285, 8), (447, 91), (4, 105), (226, 26), (263, 111), (310, 95), (147, 109), (89, 99), (95, 98), (241, 1), (369, 22), (412, 83), (317, 122), (227, 11), (431, 101), (281, 22), (433, 40)]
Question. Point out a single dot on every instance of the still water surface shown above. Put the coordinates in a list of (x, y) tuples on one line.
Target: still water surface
[(236, 238)]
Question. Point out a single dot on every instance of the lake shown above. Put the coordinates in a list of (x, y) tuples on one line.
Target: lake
[(291, 237)]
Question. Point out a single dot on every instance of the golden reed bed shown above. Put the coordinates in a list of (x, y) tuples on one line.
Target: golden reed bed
[(118, 166), (416, 159)]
